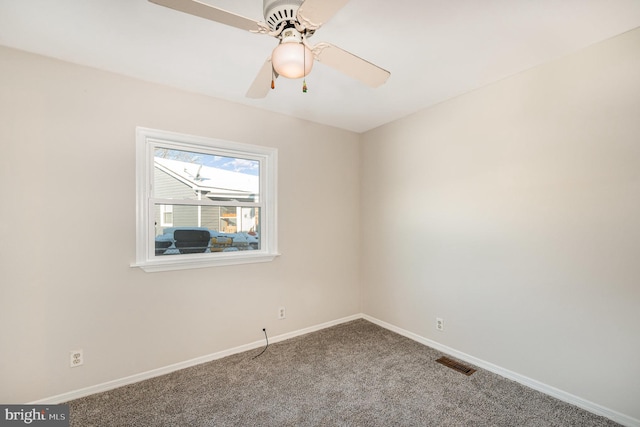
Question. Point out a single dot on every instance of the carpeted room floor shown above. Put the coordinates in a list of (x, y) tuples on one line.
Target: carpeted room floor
[(353, 374)]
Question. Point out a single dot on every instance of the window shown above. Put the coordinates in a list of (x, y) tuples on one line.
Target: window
[(166, 215), (203, 202)]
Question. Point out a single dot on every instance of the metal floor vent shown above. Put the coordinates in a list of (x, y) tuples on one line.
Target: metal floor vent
[(456, 366)]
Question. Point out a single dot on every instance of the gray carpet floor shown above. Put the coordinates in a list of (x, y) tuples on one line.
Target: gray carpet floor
[(353, 374)]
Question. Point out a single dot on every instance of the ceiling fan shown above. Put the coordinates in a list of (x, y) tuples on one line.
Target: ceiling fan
[(292, 22)]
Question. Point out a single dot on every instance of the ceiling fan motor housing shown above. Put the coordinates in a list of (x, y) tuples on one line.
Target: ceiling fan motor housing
[(278, 11)]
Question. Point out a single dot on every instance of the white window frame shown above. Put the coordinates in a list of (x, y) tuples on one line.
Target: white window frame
[(146, 140)]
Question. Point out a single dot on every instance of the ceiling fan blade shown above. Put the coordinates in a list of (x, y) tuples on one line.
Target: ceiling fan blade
[(350, 64), (206, 11), (314, 13), (262, 83)]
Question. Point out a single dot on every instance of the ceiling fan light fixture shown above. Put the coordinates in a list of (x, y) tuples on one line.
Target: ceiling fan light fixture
[(292, 22), (292, 58)]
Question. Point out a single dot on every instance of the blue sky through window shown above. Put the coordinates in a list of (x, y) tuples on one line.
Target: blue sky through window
[(234, 164)]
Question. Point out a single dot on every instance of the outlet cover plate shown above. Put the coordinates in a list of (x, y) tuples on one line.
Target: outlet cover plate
[(76, 358)]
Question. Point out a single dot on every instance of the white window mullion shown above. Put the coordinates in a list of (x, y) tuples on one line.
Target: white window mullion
[(196, 202)]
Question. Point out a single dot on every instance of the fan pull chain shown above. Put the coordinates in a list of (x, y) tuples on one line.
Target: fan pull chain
[(273, 79), (304, 69)]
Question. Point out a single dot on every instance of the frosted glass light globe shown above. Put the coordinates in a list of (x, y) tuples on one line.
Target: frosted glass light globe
[(292, 60)]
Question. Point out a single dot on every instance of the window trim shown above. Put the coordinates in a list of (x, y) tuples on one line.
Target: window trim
[(145, 140)]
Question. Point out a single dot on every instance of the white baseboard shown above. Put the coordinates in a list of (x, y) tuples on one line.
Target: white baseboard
[(110, 385), (618, 417)]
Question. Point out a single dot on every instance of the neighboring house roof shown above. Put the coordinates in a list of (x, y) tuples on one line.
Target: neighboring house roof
[(213, 182)]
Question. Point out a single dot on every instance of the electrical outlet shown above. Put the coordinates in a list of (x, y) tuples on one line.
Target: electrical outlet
[(76, 358), (439, 324), (282, 314)]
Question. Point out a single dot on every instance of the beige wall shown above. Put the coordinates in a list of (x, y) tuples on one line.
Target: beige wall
[(67, 136), (513, 212)]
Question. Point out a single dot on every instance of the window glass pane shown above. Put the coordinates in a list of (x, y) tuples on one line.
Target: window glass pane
[(199, 176), (206, 229)]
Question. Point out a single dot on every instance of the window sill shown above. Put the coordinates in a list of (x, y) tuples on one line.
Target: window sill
[(218, 261)]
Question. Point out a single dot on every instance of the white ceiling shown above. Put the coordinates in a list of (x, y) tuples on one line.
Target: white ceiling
[(434, 49)]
